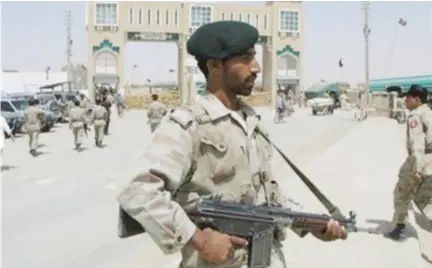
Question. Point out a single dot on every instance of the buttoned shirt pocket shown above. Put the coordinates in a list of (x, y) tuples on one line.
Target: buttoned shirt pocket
[(218, 155)]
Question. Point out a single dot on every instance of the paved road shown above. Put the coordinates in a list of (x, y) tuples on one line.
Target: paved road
[(59, 209)]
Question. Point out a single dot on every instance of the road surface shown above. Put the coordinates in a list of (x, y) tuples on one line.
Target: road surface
[(59, 209)]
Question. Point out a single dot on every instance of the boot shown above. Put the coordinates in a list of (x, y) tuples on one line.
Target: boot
[(397, 233), (77, 146)]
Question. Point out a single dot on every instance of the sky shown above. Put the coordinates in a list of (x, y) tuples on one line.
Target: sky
[(33, 36)]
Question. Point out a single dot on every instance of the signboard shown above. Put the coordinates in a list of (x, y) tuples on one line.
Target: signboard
[(151, 36)]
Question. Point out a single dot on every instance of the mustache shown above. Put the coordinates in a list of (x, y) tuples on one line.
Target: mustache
[(251, 78)]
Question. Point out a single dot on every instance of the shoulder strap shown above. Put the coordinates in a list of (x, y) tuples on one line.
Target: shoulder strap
[(331, 208)]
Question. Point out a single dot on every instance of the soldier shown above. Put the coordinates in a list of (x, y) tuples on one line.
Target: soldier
[(417, 168), (33, 116), (155, 113), (214, 148), (77, 121), (280, 107), (98, 120), (107, 105)]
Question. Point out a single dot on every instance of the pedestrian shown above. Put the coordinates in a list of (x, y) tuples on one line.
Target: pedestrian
[(98, 119), (215, 148), (156, 112), (417, 169), (77, 122), (33, 117), (4, 129)]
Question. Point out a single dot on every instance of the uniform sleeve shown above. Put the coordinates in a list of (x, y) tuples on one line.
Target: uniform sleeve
[(147, 199), (417, 141)]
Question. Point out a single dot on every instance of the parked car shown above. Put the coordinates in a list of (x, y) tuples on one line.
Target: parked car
[(14, 120), (17, 107)]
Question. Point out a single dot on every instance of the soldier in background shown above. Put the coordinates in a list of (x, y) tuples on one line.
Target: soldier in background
[(156, 112), (107, 105), (416, 172), (77, 121), (33, 117), (98, 119)]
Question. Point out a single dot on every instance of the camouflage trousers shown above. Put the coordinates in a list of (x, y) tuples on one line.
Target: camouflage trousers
[(423, 197), (404, 191), (407, 190), (33, 139), (78, 133), (99, 132)]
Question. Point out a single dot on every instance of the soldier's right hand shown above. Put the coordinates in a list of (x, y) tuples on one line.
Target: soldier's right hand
[(215, 247)]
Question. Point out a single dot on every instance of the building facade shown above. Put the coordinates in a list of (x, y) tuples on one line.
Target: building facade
[(111, 24)]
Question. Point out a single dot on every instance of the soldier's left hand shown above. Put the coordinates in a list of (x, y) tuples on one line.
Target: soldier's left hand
[(333, 231), (417, 177)]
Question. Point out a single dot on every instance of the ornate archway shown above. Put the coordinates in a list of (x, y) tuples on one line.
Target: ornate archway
[(288, 61), (106, 60)]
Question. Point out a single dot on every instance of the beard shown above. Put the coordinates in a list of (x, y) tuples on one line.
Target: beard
[(245, 89)]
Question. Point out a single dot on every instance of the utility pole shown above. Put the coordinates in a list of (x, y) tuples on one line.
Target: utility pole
[(68, 23), (366, 32)]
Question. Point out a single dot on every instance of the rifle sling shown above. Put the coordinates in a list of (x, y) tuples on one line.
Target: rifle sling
[(331, 208)]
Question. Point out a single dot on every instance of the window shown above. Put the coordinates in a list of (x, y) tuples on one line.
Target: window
[(232, 16), (140, 16), (131, 16), (149, 18), (257, 21), (240, 17), (106, 14), (166, 17), (157, 17), (6, 107), (223, 15), (200, 15), (248, 18), (265, 22), (20, 105), (176, 18), (288, 21)]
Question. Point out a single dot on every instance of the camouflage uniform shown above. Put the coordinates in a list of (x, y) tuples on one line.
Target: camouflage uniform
[(98, 119), (419, 160), (77, 120), (32, 125), (155, 113), (202, 150)]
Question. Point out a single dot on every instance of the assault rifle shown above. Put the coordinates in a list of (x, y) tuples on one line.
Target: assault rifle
[(257, 224)]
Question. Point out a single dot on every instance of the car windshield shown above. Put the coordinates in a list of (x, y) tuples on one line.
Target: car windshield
[(20, 105)]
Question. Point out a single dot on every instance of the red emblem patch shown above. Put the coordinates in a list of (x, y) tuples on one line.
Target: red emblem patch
[(413, 124)]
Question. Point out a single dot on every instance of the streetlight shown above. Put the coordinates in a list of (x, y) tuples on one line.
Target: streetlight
[(366, 32)]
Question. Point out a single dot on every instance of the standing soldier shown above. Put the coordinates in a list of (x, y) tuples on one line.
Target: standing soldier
[(98, 120), (77, 120), (417, 168), (155, 113), (214, 148), (107, 105), (33, 117)]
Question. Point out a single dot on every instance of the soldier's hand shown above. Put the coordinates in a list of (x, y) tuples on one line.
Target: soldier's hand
[(215, 247), (332, 232), (417, 177)]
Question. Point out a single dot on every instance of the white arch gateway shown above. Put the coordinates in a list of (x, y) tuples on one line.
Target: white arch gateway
[(110, 24)]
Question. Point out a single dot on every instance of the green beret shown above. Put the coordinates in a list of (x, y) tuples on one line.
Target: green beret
[(222, 39)]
